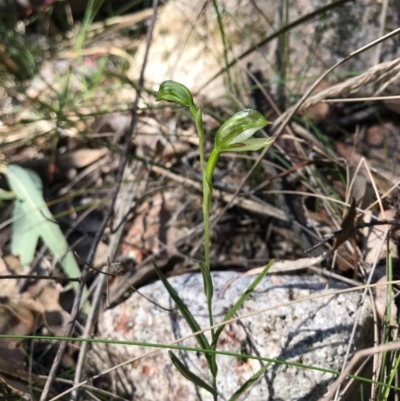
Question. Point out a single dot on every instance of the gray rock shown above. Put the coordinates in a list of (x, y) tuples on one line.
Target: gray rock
[(314, 332)]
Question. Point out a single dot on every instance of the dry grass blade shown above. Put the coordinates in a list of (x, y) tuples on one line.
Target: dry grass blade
[(361, 99), (376, 74), (393, 346)]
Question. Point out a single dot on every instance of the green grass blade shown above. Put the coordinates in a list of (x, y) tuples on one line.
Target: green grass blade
[(240, 301), (190, 375), (92, 9), (191, 321), (250, 382)]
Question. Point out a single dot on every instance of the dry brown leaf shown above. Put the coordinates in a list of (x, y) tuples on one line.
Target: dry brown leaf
[(23, 313), (361, 189), (10, 352), (47, 295), (358, 189), (9, 285), (175, 149), (392, 105), (319, 111), (5, 59), (18, 313), (155, 225), (80, 158), (17, 318), (100, 258)]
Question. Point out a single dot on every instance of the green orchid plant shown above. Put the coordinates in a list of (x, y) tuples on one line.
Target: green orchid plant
[(235, 135)]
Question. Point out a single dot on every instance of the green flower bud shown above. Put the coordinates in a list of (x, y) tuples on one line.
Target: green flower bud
[(234, 135), (175, 92)]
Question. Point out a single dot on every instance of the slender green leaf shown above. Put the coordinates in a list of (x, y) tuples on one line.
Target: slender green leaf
[(240, 301), (92, 8), (208, 284), (211, 164), (33, 220), (250, 382), (191, 321), (190, 375)]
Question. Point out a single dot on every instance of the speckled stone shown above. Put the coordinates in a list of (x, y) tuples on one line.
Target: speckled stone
[(314, 332)]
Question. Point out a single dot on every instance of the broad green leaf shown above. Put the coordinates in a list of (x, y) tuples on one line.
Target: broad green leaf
[(190, 375), (33, 220), (250, 382), (175, 92), (191, 321), (240, 301), (239, 128)]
